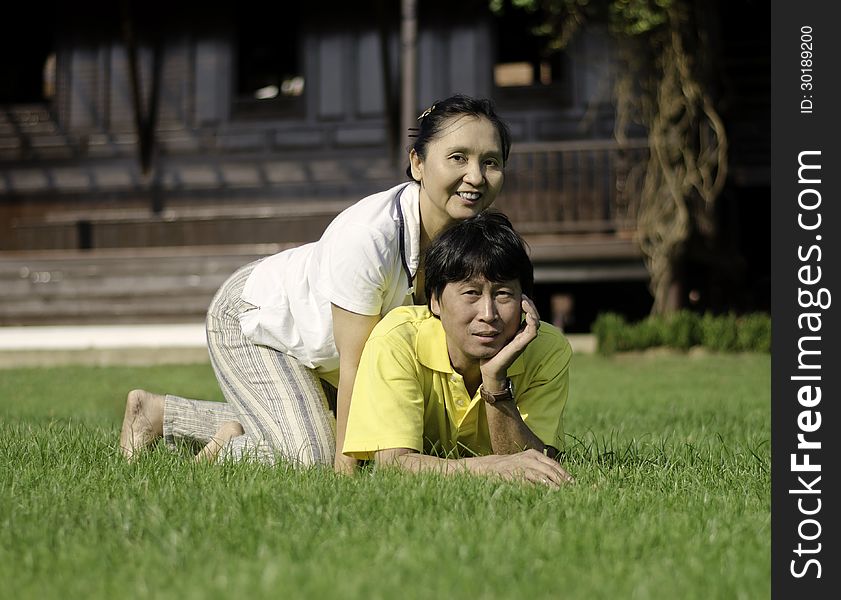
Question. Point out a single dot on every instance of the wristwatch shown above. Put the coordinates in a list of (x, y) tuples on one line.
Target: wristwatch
[(506, 394)]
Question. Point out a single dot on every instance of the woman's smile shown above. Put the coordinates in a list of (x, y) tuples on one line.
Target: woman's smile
[(461, 174)]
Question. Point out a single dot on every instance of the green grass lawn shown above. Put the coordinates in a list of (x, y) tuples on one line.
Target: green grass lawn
[(671, 456)]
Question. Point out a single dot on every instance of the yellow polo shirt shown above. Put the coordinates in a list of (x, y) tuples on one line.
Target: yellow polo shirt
[(407, 395)]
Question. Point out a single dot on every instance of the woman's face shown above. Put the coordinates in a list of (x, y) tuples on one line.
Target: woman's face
[(461, 174)]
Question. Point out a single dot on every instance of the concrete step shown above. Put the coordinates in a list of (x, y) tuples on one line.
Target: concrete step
[(117, 286), (295, 222)]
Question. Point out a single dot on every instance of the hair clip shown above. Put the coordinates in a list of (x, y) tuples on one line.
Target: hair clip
[(426, 112)]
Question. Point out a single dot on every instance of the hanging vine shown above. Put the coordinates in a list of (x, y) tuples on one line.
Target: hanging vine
[(661, 86), (687, 164)]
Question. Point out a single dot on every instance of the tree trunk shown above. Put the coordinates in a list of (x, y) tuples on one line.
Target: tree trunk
[(390, 99), (145, 113), (408, 64)]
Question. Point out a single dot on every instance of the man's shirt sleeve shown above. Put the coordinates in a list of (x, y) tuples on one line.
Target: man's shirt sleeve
[(387, 407)]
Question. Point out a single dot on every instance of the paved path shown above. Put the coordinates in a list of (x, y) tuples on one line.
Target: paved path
[(85, 337), (44, 346)]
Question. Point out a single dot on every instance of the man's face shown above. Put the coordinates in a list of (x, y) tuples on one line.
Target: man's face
[(479, 318)]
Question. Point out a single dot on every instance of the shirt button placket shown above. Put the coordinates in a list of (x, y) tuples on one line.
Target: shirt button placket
[(458, 393)]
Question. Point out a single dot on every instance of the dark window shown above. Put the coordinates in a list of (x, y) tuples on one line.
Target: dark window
[(27, 45), (269, 74), (526, 68)]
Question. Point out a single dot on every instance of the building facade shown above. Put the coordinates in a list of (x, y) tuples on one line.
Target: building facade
[(200, 124)]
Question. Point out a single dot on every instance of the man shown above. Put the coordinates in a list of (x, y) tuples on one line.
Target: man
[(464, 384)]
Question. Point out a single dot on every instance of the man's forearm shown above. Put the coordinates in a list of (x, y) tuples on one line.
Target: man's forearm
[(508, 432), (524, 466), (415, 462)]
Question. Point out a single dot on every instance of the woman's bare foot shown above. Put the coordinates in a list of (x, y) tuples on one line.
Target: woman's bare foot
[(143, 422), (226, 432)]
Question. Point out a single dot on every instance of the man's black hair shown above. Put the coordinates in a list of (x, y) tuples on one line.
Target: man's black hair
[(485, 245)]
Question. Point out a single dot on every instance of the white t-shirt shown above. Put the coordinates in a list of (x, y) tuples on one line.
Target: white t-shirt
[(356, 265)]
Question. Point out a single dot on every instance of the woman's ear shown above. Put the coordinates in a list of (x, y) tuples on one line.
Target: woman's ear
[(416, 164)]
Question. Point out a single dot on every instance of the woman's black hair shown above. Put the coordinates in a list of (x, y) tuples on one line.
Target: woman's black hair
[(434, 118), (485, 245)]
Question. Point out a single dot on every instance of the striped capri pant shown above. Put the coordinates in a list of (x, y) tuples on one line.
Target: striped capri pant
[(283, 406)]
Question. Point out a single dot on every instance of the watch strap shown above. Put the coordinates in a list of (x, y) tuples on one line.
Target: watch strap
[(493, 398)]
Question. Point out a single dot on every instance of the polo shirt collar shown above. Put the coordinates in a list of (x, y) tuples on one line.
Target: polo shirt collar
[(431, 348), (431, 345)]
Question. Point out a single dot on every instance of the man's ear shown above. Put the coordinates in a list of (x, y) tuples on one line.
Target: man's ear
[(416, 163), (434, 305)]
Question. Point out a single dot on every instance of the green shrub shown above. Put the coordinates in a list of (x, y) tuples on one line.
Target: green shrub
[(719, 332), (608, 327), (753, 333), (683, 330), (645, 334)]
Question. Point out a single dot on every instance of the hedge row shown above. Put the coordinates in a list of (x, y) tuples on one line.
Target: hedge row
[(684, 329)]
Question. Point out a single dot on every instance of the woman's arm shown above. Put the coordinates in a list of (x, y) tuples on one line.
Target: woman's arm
[(350, 332), (530, 465)]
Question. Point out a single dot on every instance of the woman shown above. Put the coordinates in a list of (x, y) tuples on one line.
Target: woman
[(285, 331)]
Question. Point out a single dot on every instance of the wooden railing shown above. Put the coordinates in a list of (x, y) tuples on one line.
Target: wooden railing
[(587, 186)]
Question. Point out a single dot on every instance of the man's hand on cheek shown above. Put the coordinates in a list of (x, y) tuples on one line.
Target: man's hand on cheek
[(495, 369)]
